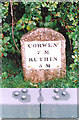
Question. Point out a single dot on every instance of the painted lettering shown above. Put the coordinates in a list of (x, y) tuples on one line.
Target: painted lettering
[(48, 65), (46, 51)]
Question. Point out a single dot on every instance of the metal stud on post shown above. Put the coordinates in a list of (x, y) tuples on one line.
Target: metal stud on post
[(57, 97), (56, 90), (23, 97), (24, 90), (64, 93), (16, 93)]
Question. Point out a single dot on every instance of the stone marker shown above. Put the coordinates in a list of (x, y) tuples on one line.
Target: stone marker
[(43, 55)]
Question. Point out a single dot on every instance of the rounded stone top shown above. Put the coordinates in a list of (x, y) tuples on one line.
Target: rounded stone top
[(42, 34)]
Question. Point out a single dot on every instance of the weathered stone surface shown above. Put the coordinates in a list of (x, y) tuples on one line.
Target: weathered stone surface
[(39, 75)]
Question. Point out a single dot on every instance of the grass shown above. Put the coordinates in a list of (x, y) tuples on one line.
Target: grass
[(12, 77)]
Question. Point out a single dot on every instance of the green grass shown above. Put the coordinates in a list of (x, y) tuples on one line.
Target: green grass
[(12, 77)]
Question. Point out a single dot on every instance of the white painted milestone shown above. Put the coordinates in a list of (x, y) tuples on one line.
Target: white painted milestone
[(43, 54)]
